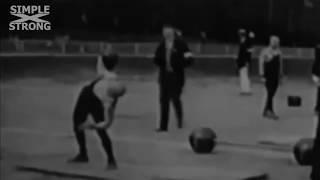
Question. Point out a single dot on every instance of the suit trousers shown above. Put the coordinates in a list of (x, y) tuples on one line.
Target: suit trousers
[(245, 84), (170, 91), (315, 174)]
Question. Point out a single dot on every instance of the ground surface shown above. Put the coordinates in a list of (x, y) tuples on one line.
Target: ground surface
[(36, 125)]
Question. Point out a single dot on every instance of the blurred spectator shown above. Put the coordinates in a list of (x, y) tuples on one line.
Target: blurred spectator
[(17, 43), (84, 18), (244, 60), (61, 41), (203, 36)]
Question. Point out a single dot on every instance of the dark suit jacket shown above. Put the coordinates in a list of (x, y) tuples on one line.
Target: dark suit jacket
[(178, 61), (244, 54)]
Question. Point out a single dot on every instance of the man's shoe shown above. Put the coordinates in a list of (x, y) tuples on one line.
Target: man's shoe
[(270, 115), (274, 116), (245, 93), (112, 166), (159, 130), (79, 159)]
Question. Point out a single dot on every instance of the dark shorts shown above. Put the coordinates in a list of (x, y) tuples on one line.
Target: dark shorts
[(88, 104)]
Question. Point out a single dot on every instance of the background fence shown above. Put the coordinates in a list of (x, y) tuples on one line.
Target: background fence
[(136, 58), (133, 49)]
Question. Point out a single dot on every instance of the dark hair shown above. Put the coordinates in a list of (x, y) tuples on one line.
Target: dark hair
[(110, 61), (168, 26)]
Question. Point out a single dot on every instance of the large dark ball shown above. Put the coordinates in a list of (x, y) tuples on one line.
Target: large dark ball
[(303, 151), (203, 140), (116, 89)]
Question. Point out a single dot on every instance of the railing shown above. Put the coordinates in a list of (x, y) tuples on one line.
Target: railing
[(56, 47)]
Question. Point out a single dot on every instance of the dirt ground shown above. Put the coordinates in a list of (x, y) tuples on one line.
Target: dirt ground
[(36, 124)]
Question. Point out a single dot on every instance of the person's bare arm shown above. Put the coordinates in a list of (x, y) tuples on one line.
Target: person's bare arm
[(281, 65), (315, 72), (261, 62), (100, 68), (316, 80), (109, 118), (109, 113)]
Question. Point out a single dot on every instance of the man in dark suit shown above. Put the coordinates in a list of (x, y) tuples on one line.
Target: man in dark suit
[(172, 57), (244, 60), (315, 175)]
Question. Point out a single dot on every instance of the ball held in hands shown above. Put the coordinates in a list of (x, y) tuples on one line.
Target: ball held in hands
[(116, 89)]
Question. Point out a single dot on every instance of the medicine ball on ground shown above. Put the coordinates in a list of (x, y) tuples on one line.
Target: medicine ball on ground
[(303, 151), (202, 140)]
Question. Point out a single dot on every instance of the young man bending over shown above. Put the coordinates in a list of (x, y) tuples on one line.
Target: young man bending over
[(98, 99)]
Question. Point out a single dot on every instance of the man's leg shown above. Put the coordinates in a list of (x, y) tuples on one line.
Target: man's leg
[(247, 84), (271, 91), (97, 112), (164, 116), (268, 105), (79, 116), (244, 80), (81, 140), (315, 175), (241, 79), (317, 108), (164, 108), (177, 104), (107, 145)]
